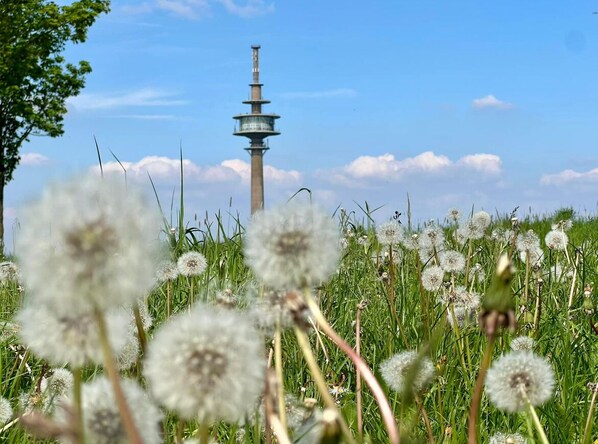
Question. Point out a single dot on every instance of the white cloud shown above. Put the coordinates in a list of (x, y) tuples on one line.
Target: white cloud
[(368, 170), (490, 102), (148, 116), (33, 159), (489, 163), (168, 170), (196, 9), (339, 92), (570, 176), (252, 8), (142, 97)]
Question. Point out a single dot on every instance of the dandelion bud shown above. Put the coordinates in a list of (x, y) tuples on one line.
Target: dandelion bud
[(588, 305), (498, 306)]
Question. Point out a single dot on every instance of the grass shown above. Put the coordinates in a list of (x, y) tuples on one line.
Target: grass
[(566, 337)]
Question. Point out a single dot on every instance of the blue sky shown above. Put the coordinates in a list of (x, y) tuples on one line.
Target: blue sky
[(460, 103)]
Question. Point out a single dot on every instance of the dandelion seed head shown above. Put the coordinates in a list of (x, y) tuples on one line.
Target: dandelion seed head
[(192, 263), (431, 237), (396, 370), (9, 272), (100, 245), (167, 271), (556, 240), (507, 438), (536, 256), (432, 277), (527, 241), (69, 338), (518, 376), (102, 421), (523, 343), (470, 230), (454, 214), (390, 233), (462, 315), (292, 246), (5, 411), (410, 241), (59, 383), (452, 261), (482, 219), (207, 364)]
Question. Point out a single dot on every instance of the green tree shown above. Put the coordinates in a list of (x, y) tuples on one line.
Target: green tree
[(35, 79)]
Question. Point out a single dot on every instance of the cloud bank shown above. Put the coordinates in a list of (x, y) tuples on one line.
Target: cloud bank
[(490, 102)]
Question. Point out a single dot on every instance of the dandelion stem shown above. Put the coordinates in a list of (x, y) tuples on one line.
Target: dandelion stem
[(359, 400), (140, 330), (573, 281), (368, 376), (110, 368), (469, 252), (537, 423), (316, 374), (587, 434), (77, 383), (527, 270), (203, 433), (279, 375), (476, 400), (168, 297), (422, 409)]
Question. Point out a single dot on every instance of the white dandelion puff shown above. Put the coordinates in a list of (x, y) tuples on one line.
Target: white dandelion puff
[(102, 420), (482, 219), (167, 271), (9, 272), (58, 384), (432, 237), (69, 338), (507, 438), (470, 230), (407, 367), (523, 343), (527, 241), (454, 214), (518, 377), (5, 411), (556, 240), (99, 245), (207, 364), (452, 261), (432, 277), (292, 246), (536, 256), (192, 263), (390, 233), (410, 241)]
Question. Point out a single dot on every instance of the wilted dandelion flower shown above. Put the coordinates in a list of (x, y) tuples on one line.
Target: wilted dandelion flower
[(5, 411), (102, 421), (518, 377), (432, 277), (167, 271), (292, 246), (99, 245), (207, 364), (431, 237), (69, 337), (390, 233), (507, 438), (9, 272), (397, 370), (523, 343), (556, 240), (192, 263), (452, 261)]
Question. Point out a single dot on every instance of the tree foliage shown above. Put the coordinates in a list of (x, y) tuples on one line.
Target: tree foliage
[(35, 78)]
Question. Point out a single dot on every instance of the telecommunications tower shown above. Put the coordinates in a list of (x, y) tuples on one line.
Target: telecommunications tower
[(256, 126)]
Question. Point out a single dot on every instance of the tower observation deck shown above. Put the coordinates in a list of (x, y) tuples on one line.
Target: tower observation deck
[(256, 126)]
